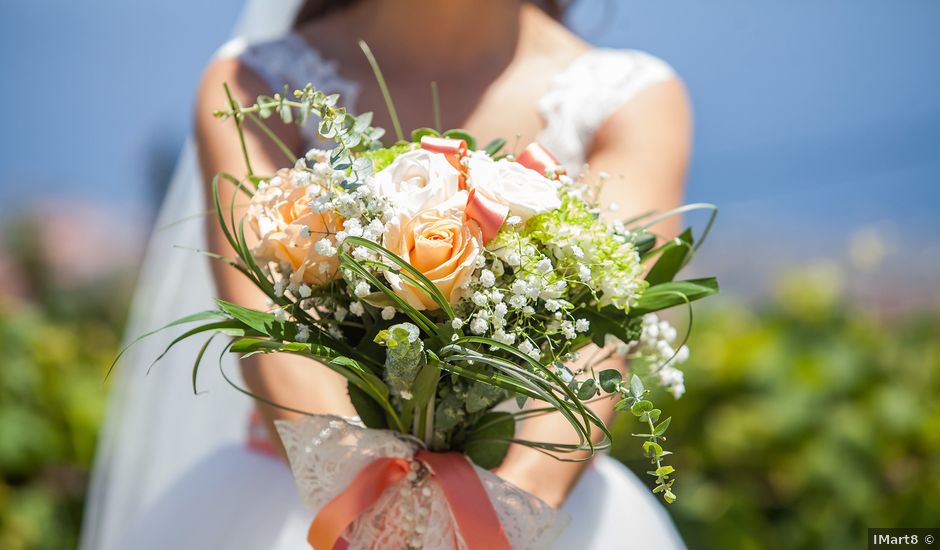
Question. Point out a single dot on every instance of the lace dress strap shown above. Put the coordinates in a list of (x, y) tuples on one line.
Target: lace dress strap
[(291, 60), (588, 92)]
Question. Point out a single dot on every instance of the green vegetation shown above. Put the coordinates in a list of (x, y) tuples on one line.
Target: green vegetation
[(57, 343), (52, 397), (806, 421)]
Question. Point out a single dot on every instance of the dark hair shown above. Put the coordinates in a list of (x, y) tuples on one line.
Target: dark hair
[(314, 9)]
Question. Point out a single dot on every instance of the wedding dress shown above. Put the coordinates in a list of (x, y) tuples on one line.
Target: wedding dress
[(174, 470)]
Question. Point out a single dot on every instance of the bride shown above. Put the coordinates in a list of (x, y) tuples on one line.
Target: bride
[(180, 471)]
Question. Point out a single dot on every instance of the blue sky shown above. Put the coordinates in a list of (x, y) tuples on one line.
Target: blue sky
[(813, 119)]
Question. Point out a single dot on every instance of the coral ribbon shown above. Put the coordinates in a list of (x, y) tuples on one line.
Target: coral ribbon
[(535, 157), (489, 215), (476, 520), (453, 149)]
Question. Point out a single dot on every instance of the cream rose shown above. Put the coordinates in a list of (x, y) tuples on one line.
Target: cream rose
[(441, 244), (288, 230), (418, 180), (524, 191)]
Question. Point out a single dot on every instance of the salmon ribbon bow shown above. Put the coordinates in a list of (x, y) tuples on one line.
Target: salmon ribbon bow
[(474, 516)]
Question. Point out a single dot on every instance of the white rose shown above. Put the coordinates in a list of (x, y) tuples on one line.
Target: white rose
[(524, 191), (418, 180)]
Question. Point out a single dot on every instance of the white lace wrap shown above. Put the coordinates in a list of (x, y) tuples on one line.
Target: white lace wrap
[(327, 452)]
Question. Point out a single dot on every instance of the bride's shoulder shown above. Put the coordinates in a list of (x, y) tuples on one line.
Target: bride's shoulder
[(244, 70), (600, 84), (230, 68)]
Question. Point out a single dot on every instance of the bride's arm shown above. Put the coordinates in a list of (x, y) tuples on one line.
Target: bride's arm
[(644, 148), (280, 378)]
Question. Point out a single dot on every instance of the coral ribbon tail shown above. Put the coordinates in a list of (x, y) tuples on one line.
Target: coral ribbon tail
[(535, 157), (476, 519), (327, 528)]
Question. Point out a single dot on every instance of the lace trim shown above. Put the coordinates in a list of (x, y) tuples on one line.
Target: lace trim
[(293, 61), (587, 93)]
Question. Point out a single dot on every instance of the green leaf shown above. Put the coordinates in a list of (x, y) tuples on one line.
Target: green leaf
[(488, 441), (494, 146), (587, 390), (652, 449), (261, 345), (636, 387), (641, 407), (368, 409), (662, 426), (609, 320), (667, 295), (672, 258), (643, 241), (610, 379), (482, 396), (458, 133), (198, 361), (651, 415), (192, 318), (425, 385), (258, 320), (359, 375), (229, 327), (419, 133), (664, 470), (362, 122)]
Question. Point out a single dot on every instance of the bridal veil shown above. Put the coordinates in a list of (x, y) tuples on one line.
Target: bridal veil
[(156, 428)]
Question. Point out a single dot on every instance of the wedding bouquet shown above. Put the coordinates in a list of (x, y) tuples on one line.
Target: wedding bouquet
[(443, 279)]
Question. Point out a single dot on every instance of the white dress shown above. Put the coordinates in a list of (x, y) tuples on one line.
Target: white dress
[(235, 497)]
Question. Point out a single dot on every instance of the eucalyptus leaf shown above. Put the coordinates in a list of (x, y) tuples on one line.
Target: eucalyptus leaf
[(662, 426), (610, 380), (641, 407), (636, 387), (587, 390), (652, 449)]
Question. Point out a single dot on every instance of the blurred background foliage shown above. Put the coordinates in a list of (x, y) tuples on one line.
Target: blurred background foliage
[(58, 338), (810, 415)]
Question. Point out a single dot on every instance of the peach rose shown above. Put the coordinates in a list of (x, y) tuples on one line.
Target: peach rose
[(288, 230), (440, 243)]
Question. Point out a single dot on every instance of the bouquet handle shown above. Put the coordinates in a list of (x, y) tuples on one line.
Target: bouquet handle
[(474, 517)]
